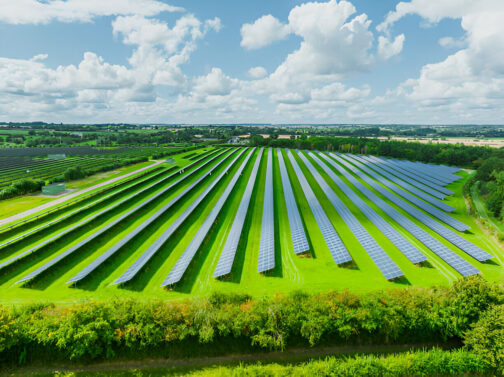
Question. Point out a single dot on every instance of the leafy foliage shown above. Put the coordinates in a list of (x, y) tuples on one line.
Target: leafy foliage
[(99, 330)]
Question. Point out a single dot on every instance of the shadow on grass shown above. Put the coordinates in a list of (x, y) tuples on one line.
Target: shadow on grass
[(425, 264), (401, 280)]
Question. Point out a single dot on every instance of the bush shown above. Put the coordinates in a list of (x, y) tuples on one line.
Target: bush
[(486, 337), (25, 186), (99, 330), (75, 172)]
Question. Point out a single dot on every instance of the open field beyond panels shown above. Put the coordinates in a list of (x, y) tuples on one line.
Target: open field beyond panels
[(255, 221)]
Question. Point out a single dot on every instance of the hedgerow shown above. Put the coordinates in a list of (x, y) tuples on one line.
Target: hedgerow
[(100, 330)]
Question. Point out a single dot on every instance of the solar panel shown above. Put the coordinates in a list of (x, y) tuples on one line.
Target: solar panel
[(439, 171), (98, 261), (471, 249), (455, 261), (147, 255), (298, 235), (409, 178), (336, 247), (410, 251), (386, 180), (267, 243), (429, 174), (187, 256), (226, 259), (403, 181), (399, 171), (384, 263), (75, 227), (68, 215)]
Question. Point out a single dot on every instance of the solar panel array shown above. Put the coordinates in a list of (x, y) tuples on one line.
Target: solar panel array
[(298, 235), (73, 228), (409, 250), (404, 182), (99, 232), (410, 181), (388, 182), (384, 263), (228, 254), (471, 249), (336, 247), (149, 253), (187, 256), (103, 257), (454, 260), (428, 175), (433, 188), (267, 243)]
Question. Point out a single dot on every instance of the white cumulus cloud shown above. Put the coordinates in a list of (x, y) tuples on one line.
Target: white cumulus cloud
[(257, 72), (387, 49), (43, 12), (263, 32)]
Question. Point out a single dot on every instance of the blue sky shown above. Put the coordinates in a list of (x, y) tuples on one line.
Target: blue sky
[(361, 61)]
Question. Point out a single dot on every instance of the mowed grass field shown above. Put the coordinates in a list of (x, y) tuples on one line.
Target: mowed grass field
[(315, 271)]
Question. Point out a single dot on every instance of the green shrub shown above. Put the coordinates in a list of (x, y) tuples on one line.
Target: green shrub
[(75, 172), (99, 330), (25, 186), (486, 337)]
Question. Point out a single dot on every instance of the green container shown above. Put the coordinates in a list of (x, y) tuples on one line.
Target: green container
[(53, 189), (56, 156)]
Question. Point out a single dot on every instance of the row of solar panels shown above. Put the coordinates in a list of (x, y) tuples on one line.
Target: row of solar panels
[(267, 245)]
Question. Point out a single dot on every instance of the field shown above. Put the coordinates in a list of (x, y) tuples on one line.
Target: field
[(15, 164), (312, 271)]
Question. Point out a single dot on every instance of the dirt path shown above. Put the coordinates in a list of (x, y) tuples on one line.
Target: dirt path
[(65, 198), (289, 356)]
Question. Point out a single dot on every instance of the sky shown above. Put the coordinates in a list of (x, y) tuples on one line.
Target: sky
[(238, 61)]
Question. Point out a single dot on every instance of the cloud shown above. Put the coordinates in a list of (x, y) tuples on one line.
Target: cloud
[(449, 42), (257, 72), (39, 57), (43, 12), (215, 83), (159, 51), (263, 32), (387, 49)]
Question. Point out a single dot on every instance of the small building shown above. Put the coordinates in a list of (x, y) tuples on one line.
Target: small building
[(53, 189), (170, 161), (56, 156)]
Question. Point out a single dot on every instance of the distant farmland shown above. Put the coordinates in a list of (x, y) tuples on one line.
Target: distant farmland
[(253, 220)]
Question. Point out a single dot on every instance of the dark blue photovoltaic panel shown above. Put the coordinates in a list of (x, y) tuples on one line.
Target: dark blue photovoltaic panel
[(411, 180), (403, 181), (471, 249), (147, 255), (226, 259), (384, 263), (431, 174), (336, 247), (392, 167), (387, 180), (409, 250), (299, 240), (185, 259), (267, 244), (79, 225), (103, 257), (455, 261)]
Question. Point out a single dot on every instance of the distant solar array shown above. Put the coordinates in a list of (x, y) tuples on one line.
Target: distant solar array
[(389, 183)]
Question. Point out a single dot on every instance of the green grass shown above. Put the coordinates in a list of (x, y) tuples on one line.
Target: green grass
[(314, 272)]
